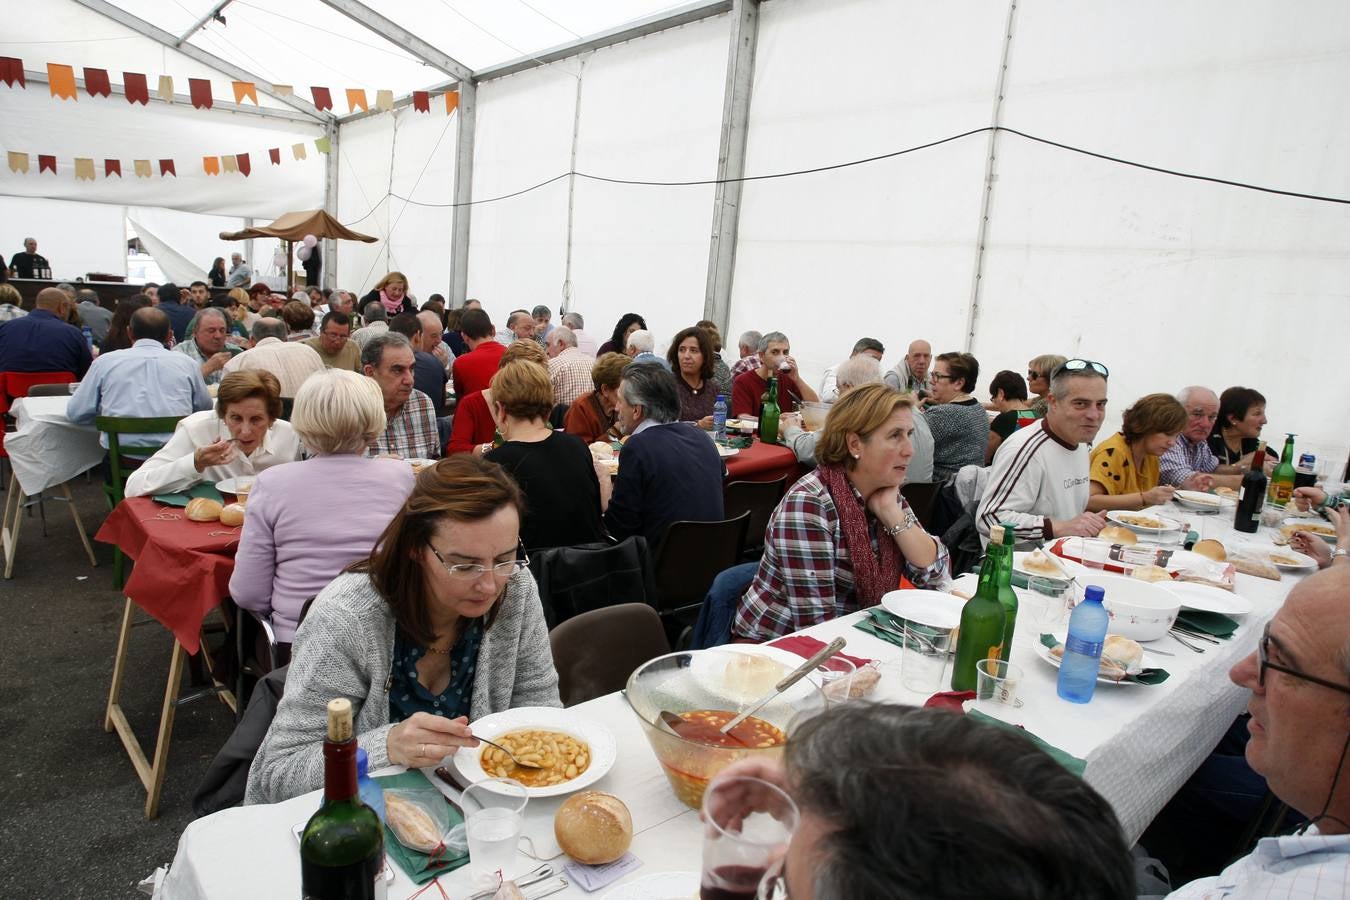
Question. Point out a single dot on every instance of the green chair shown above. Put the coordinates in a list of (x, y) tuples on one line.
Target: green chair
[(120, 467)]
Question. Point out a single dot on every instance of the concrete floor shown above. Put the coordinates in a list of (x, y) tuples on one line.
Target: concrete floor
[(72, 803)]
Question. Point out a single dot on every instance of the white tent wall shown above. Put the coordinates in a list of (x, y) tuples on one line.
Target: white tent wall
[(884, 249), (364, 150), (1170, 281), (76, 238), (196, 237)]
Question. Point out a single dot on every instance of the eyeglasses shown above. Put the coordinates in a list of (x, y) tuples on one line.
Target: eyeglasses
[(1263, 655), (473, 571), (1033, 376), (1078, 365), (938, 376)]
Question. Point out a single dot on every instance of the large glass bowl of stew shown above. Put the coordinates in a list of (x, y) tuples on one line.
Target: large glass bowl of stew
[(706, 688)]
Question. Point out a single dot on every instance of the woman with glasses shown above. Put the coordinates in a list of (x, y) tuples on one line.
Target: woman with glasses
[(441, 624), (959, 423), (1039, 371)]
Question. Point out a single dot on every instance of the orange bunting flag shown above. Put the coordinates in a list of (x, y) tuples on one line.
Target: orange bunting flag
[(84, 169), (356, 97), (244, 165), (451, 101), (211, 165), (61, 79), (245, 89), (298, 151), (96, 82), (229, 164), (46, 163), (18, 162), (384, 100), (112, 167), (165, 91), (11, 70), (142, 167), (166, 167)]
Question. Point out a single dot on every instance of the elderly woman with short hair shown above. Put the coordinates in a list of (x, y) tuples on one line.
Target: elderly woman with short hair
[(305, 521), (592, 417), (474, 428), (1126, 467), (843, 535), (1039, 371)]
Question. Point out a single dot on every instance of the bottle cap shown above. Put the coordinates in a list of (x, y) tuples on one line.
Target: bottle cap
[(721, 396), (362, 762), (1093, 592)]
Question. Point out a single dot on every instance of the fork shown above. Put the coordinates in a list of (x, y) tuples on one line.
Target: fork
[(1185, 643)]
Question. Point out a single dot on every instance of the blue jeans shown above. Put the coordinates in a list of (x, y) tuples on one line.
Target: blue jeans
[(713, 628)]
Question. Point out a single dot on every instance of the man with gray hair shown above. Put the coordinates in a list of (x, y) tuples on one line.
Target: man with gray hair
[(775, 361), (377, 322), (585, 342), (93, 315), (542, 318), (240, 273), (865, 346), (748, 345), (207, 347), (290, 362), (412, 432), (1189, 463), (641, 343), (671, 471), (568, 368)]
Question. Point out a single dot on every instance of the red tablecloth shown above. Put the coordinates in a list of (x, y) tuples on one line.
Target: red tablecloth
[(764, 462), (182, 569)]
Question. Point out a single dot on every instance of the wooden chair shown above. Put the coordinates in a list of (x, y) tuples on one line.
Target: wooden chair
[(120, 467), (691, 556), (760, 499), (596, 651)]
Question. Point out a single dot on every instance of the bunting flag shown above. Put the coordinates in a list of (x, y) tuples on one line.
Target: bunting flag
[(166, 168), (245, 89), (451, 101), (323, 98), (298, 151), (96, 82), (211, 165), (11, 70), (357, 97), (384, 100), (84, 169), (61, 79), (18, 162), (166, 88), (422, 101), (323, 145), (283, 90), (46, 163), (112, 167), (133, 83), (142, 167), (244, 165), (199, 89), (275, 155), (229, 164)]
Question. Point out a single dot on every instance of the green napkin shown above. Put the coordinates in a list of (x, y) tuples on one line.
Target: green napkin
[(1211, 623), (1072, 763), (205, 489), (879, 620), (420, 867), (1144, 676)]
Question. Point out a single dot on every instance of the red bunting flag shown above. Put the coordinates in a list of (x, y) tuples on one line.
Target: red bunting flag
[(275, 155), (166, 168), (136, 89), (112, 167), (323, 98), (199, 89), (11, 70), (244, 165), (96, 82), (422, 101), (46, 163)]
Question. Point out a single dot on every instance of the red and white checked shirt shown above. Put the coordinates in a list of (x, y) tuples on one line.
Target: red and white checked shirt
[(570, 373), (806, 576)]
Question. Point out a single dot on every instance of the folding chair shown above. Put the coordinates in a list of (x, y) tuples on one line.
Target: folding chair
[(691, 556), (760, 499), (120, 467)]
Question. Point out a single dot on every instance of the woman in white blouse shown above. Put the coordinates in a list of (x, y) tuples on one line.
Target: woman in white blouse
[(243, 435)]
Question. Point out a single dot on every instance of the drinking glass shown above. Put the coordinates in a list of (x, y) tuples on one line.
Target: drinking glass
[(996, 682), (923, 658), (1054, 599), (836, 678), (1093, 553), (494, 814), (747, 824)]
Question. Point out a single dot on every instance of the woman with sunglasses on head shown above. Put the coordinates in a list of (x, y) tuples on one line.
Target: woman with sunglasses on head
[(1039, 371), (441, 625)]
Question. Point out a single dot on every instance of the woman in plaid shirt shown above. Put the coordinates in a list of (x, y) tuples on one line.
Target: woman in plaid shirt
[(843, 535)]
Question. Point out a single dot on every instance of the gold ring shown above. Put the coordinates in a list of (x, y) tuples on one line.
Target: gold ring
[(423, 750)]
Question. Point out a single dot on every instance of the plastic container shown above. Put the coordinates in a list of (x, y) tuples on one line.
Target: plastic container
[(720, 419), (1083, 648), (372, 794)]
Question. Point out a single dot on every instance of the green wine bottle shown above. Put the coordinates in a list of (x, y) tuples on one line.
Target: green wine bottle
[(1281, 489), (342, 846), (768, 414), (982, 620), (1006, 596)]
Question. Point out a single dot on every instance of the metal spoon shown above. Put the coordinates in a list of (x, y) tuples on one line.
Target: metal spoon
[(523, 765)]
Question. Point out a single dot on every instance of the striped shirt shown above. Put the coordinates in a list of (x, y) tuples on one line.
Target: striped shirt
[(1184, 459), (1307, 866), (1036, 477)]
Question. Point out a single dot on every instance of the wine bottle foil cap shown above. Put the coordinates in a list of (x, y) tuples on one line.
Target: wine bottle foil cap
[(340, 719)]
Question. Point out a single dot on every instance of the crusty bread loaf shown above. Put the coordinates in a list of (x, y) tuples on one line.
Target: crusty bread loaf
[(1038, 562), (1150, 573), (593, 828), (232, 514), (1211, 548), (203, 509), (1118, 534)]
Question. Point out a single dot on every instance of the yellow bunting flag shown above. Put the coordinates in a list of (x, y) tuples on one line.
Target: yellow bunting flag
[(230, 163), (357, 97), (323, 145), (61, 79), (84, 169), (165, 91), (211, 165), (384, 100), (245, 89), (283, 90), (298, 151), (18, 162), (451, 101), (143, 169)]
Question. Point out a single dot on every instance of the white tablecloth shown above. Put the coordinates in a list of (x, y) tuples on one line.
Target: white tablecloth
[(1140, 743), (46, 449)]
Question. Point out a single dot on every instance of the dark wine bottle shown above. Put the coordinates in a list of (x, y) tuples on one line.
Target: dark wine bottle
[(1253, 495), (342, 846)]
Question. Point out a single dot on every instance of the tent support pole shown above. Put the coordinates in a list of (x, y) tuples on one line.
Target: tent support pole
[(459, 227), (990, 176), (731, 161), (330, 203), (249, 257)]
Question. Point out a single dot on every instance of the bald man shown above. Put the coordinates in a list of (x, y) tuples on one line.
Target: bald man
[(1190, 464), (43, 340), (432, 329), (911, 373)]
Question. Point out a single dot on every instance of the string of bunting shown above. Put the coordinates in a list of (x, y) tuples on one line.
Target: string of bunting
[(226, 164), (136, 86)]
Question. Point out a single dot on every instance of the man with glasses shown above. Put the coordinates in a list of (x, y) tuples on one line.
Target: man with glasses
[(1039, 479), (1190, 464), (1299, 729)]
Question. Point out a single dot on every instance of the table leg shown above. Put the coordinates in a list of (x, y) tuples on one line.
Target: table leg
[(79, 525), (161, 764), (119, 668), (9, 532)]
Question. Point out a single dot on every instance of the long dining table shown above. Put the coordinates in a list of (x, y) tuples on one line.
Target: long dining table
[(1139, 743)]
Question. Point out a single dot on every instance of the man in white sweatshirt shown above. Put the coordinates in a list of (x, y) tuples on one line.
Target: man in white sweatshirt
[(1039, 479)]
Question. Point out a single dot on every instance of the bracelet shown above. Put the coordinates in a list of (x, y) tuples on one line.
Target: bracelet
[(1340, 551), (485, 447), (909, 522)]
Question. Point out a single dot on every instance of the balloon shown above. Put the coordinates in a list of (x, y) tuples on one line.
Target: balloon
[(303, 253), (279, 260), (309, 240)]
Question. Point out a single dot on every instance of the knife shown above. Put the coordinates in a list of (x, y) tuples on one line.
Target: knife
[(445, 775)]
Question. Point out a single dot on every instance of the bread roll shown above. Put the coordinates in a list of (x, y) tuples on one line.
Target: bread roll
[(203, 509), (1211, 548), (412, 825), (593, 828), (1122, 651), (602, 450), (1145, 573), (232, 514), (1118, 534), (1038, 562)]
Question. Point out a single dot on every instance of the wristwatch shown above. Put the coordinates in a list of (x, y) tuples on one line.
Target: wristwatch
[(1341, 551)]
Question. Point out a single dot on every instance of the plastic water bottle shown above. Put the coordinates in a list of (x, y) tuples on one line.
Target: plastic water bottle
[(1083, 648), (88, 337), (368, 788), (720, 419)]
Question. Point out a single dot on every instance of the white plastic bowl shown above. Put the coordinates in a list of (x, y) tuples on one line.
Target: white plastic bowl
[(1139, 610)]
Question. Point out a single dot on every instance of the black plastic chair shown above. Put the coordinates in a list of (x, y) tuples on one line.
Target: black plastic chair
[(596, 651), (760, 499), (920, 499), (691, 556), (575, 580)]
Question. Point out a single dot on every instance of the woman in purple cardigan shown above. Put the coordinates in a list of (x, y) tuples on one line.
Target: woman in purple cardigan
[(306, 521)]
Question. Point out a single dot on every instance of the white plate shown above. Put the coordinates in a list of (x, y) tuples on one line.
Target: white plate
[(710, 668), (932, 608), (232, 485), (420, 463), (1121, 517), (1303, 523), (1304, 561), (1064, 575), (661, 886), (1202, 500), (1144, 663), (544, 718), (1207, 598), (724, 452)]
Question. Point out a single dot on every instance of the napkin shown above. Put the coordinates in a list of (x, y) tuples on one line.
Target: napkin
[(1143, 676), (951, 700), (1211, 623), (420, 867), (806, 647), (878, 616), (205, 489), (1072, 763)]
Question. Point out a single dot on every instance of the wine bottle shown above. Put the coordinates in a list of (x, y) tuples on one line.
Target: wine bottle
[(768, 414), (342, 846), (1253, 494), (1006, 596), (982, 619), (1281, 489)]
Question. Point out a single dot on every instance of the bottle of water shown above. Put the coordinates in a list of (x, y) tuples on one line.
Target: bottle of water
[(368, 788), (88, 337), (1083, 648), (720, 419)]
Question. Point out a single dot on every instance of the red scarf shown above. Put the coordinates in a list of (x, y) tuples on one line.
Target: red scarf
[(873, 574)]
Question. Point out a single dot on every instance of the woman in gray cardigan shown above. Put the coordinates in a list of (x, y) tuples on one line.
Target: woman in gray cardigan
[(440, 626)]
